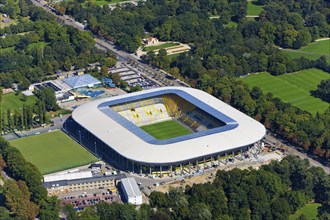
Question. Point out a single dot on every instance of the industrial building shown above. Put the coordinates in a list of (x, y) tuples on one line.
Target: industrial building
[(131, 191), (81, 184)]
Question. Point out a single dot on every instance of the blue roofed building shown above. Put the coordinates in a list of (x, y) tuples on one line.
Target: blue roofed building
[(82, 81)]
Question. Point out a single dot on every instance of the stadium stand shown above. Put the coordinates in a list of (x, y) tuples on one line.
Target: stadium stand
[(143, 112), (169, 106)]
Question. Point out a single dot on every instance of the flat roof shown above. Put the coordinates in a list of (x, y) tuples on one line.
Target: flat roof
[(68, 176), (133, 143), (131, 187), (84, 180)]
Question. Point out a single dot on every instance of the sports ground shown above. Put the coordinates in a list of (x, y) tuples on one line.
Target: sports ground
[(293, 88), (166, 130), (312, 51), (53, 151)]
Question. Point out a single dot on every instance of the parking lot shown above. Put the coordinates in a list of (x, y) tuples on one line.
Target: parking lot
[(134, 76), (81, 200)]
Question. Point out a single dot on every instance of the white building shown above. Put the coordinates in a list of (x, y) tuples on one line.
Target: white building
[(131, 191)]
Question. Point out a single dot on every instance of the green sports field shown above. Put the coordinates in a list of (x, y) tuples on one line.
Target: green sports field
[(53, 151), (309, 210), (166, 130), (253, 9), (160, 46), (293, 88), (312, 51)]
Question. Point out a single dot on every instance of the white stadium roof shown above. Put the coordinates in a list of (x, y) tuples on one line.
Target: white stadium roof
[(102, 121)]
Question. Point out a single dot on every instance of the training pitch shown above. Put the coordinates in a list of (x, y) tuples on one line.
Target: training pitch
[(312, 51), (166, 130), (53, 151), (293, 88)]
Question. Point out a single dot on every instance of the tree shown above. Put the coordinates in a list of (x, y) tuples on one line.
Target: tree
[(18, 199), (159, 215), (109, 61), (47, 95), (162, 60), (70, 212), (104, 71), (115, 78), (2, 163), (280, 209), (4, 213), (123, 84), (89, 214), (295, 199), (323, 90), (158, 199), (49, 208), (24, 84), (136, 88), (200, 212)]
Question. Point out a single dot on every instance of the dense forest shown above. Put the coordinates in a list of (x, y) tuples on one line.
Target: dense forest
[(33, 50), (38, 47), (272, 192), (222, 52)]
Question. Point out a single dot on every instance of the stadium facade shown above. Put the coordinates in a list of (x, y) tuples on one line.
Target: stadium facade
[(110, 128)]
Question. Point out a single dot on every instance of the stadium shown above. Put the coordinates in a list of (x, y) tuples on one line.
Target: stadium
[(162, 130)]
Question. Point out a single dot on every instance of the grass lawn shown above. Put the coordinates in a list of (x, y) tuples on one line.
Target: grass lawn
[(312, 51), (293, 88), (161, 46), (231, 24), (309, 210), (12, 101), (8, 49), (166, 130), (53, 151), (101, 2), (173, 56), (253, 8), (7, 24), (38, 45)]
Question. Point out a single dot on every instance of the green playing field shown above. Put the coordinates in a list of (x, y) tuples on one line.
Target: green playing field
[(53, 151), (293, 88), (166, 130), (312, 51)]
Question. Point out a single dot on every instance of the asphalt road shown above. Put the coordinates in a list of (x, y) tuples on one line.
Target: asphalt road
[(295, 151), (104, 44)]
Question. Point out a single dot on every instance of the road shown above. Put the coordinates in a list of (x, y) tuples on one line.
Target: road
[(121, 55), (57, 124), (294, 151)]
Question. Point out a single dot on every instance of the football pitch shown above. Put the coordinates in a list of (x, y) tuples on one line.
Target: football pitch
[(293, 88), (53, 151), (312, 51), (166, 130)]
